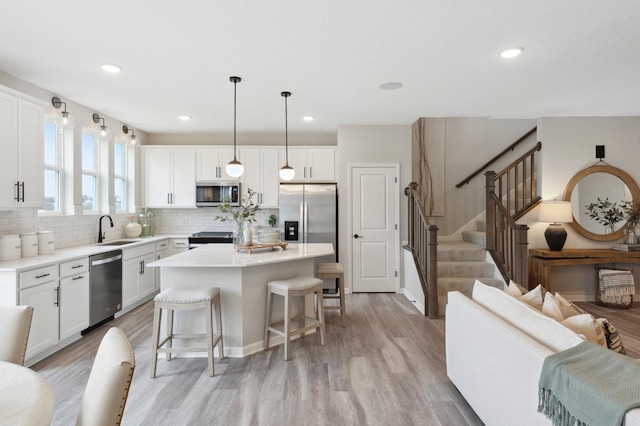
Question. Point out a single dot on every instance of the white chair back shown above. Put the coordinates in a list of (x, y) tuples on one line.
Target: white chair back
[(14, 332), (106, 393)]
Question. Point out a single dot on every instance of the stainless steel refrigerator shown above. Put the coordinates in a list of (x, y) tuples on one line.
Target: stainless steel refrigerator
[(309, 214)]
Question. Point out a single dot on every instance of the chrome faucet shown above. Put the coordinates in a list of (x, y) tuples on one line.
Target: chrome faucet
[(100, 233)]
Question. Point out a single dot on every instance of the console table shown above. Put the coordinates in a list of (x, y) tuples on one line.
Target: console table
[(541, 261)]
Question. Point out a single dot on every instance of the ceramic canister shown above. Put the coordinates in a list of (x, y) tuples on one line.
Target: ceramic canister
[(29, 242), (46, 243), (10, 248)]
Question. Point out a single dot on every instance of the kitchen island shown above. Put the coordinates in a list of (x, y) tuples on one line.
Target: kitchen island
[(242, 279)]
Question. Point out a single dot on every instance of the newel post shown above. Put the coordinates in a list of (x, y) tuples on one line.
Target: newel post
[(521, 264)]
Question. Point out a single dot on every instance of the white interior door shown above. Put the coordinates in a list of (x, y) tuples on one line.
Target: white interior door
[(374, 239)]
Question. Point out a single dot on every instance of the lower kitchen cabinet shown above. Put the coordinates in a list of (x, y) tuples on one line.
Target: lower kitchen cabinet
[(138, 281), (179, 245), (74, 301), (44, 331), (162, 251)]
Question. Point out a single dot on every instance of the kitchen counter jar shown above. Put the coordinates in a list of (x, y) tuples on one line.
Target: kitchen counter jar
[(46, 244), (10, 247), (29, 243)]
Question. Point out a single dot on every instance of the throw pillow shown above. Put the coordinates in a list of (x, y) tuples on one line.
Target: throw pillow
[(534, 298), (568, 308), (611, 334), (552, 308), (587, 326)]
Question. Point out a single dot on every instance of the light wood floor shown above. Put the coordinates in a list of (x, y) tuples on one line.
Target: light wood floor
[(387, 367), (626, 321)]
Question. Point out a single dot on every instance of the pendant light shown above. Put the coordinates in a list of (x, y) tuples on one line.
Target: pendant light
[(286, 172), (66, 120), (234, 168)]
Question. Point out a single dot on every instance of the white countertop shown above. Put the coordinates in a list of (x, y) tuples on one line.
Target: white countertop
[(72, 253), (224, 256)]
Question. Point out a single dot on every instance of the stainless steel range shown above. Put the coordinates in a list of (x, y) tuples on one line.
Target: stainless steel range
[(210, 237)]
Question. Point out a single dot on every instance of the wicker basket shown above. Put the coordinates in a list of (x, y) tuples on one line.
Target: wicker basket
[(622, 305)]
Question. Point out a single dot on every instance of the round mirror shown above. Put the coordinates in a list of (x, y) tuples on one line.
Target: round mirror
[(598, 182)]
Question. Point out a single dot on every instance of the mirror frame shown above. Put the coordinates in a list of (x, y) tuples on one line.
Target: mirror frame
[(628, 180)]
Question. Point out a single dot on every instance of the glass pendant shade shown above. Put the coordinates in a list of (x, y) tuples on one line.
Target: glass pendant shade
[(234, 168), (67, 121), (104, 134), (287, 172)]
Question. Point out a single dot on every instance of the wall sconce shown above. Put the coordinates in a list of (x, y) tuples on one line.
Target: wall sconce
[(286, 172), (135, 140), (556, 212), (66, 120), (234, 167), (104, 134)]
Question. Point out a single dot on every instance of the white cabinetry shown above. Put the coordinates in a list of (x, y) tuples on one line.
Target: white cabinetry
[(162, 251), (261, 169), (178, 245), (39, 288), (74, 297), (211, 164), (22, 147), (170, 179), (311, 164), (138, 281)]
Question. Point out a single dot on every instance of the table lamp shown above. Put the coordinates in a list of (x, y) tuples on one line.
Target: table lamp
[(557, 213)]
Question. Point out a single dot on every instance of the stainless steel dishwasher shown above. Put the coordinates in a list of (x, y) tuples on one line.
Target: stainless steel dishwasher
[(105, 286)]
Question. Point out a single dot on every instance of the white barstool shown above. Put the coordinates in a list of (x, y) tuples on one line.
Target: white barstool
[(294, 287), (334, 270), (186, 299)]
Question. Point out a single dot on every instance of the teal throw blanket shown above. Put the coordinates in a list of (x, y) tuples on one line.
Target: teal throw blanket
[(588, 385)]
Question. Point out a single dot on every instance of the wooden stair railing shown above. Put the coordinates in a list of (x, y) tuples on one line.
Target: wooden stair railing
[(423, 244), (509, 195)]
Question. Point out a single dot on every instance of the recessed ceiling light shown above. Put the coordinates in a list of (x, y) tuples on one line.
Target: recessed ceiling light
[(111, 68), (392, 85), (512, 53), (185, 117), (308, 118)]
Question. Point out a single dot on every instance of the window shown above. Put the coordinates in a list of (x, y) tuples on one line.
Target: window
[(89, 173), (52, 166), (120, 176)]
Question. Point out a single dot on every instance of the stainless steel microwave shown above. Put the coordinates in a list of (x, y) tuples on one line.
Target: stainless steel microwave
[(212, 194)]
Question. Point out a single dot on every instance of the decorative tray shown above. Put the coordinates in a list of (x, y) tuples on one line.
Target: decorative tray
[(250, 247)]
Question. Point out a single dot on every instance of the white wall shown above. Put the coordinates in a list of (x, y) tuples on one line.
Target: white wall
[(370, 144)]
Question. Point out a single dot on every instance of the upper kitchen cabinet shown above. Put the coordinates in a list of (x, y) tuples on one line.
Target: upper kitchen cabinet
[(169, 176), (311, 164), (22, 147), (261, 174), (211, 164)]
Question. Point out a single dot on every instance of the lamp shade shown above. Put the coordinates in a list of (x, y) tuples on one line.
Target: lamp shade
[(555, 212), (287, 173)]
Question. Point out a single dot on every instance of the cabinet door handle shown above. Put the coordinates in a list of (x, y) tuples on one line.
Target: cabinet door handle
[(56, 300), (77, 266), (17, 185), (168, 199), (22, 186), (42, 276), (77, 278)]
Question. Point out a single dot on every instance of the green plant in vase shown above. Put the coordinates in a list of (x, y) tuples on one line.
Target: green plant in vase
[(272, 220), (605, 212), (245, 213)]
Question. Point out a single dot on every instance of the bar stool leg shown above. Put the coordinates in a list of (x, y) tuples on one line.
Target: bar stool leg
[(157, 316), (267, 320), (287, 325), (169, 332), (219, 326), (209, 325), (321, 316), (343, 305)]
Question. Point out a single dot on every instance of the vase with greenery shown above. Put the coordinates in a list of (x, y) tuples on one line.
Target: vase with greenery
[(245, 213), (610, 213)]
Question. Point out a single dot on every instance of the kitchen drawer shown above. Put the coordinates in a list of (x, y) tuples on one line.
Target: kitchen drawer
[(133, 252), (38, 276), (162, 245), (179, 243), (73, 267)]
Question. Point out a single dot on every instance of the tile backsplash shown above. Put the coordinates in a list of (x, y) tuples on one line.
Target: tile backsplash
[(70, 231)]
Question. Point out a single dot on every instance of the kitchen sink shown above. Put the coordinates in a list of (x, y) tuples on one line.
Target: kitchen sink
[(118, 243)]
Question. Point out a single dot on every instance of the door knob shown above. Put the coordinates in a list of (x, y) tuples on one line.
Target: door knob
[(358, 236)]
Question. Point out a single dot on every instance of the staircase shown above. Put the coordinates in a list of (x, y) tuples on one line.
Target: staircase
[(460, 263)]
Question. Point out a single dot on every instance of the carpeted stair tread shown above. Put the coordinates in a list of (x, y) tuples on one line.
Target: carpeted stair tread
[(460, 251), (476, 237), (465, 269)]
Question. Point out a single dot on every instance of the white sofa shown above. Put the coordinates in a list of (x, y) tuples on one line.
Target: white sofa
[(496, 366)]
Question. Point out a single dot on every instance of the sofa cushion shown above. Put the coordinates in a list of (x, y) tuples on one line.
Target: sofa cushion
[(533, 298), (537, 325), (568, 308), (587, 326)]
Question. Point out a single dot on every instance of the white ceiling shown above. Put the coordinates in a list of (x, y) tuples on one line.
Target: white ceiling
[(581, 58)]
